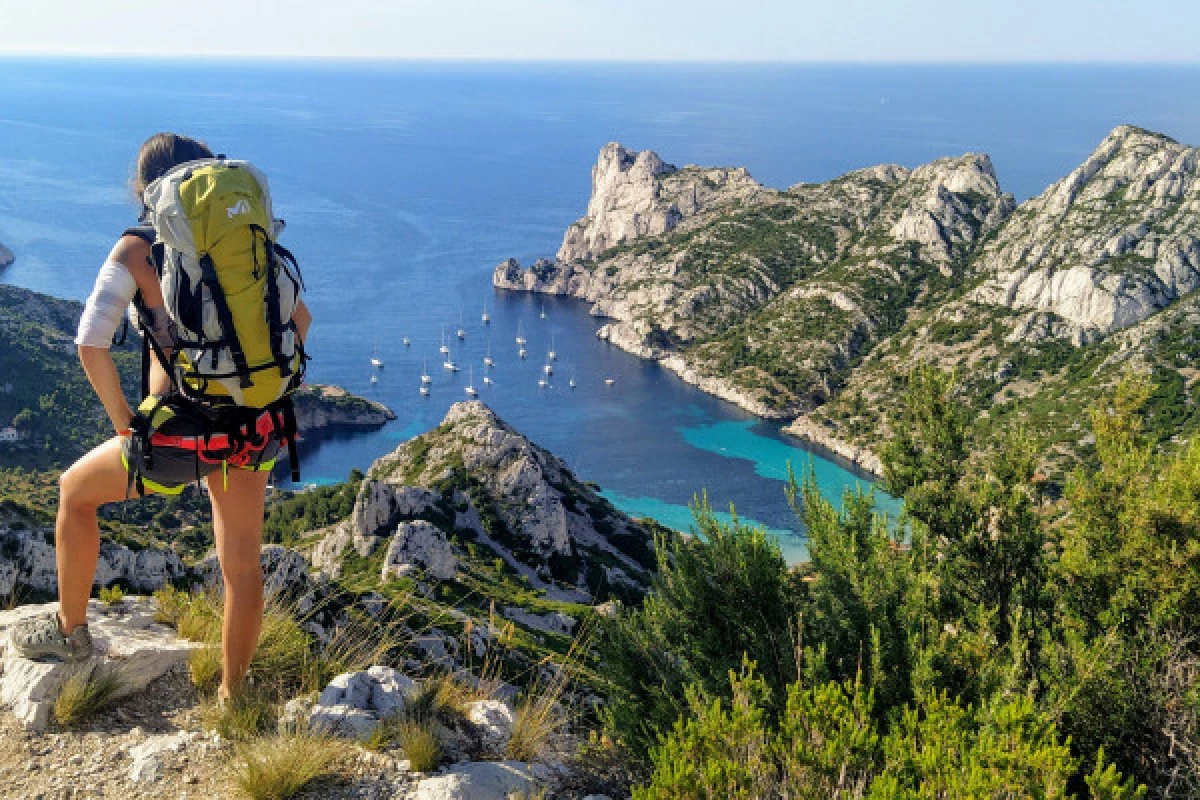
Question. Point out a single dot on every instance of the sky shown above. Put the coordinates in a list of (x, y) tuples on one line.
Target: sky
[(636, 30)]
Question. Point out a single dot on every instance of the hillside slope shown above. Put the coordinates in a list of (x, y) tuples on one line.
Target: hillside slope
[(812, 303)]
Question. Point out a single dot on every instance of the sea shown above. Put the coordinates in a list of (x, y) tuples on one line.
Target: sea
[(404, 184)]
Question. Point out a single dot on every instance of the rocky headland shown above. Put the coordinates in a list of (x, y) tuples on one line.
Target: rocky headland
[(811, 303), (321, 409)]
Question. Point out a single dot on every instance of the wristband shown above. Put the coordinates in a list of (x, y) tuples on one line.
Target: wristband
[(125, 432)]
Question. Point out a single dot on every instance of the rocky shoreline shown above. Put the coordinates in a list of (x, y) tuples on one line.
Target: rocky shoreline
[(814, 433), (325, 409)]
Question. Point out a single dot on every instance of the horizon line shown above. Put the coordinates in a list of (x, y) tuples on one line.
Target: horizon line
[(13, 55)]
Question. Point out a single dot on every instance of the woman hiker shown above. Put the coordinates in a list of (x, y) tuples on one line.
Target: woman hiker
[(237, 482)]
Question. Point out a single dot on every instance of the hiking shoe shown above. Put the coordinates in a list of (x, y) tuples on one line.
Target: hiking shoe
[(40, 637)]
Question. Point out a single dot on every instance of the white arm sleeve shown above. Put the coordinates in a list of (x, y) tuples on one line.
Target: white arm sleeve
[(114, 290)]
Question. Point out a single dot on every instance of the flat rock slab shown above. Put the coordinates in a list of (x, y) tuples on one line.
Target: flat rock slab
[(476, 780), (126, 637)]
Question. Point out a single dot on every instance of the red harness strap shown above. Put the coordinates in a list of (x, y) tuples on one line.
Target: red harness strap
[(264, 426)]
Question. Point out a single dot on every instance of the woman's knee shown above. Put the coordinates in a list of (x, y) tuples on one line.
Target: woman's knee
[(242, 578), (73, 494)]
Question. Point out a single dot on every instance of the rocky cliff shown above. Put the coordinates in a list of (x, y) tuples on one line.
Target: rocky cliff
[(811, 303), (1108, 245), (474, 479)]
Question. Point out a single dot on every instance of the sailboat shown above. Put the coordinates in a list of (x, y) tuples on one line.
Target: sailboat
[(485, 317), (548, 368), (444, 350), (522, 352), (520, 338), (425, 372), (462, 332), (407, 341), (487, 379), (374, 378), (470, 387), (424, 390), (571, 382), (488, 361), (376, 361), (552, 355), (449, 364), (542, 382), (543, 309)]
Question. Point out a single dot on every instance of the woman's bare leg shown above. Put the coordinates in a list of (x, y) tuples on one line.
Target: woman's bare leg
[(95, 479), (237, 526)]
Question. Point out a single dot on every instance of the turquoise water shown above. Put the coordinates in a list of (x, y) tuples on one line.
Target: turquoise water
[(680, 518), (405, 184)]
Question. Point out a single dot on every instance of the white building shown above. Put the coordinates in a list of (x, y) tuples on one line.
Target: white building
[(9, 434)]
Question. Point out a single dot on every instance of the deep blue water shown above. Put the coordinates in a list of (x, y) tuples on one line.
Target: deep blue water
[(403, 185)]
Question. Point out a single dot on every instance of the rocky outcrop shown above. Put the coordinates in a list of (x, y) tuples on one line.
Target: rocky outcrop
[(637, 194), (321, 408), (761, 297), (127, 639), (27, 561), (478, 780), (474, 476), (1108, 245), (418, 543)]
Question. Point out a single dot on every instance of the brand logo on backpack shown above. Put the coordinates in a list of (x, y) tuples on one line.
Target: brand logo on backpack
[(240, 207)]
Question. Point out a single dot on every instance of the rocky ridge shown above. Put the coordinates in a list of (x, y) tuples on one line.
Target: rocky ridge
[(810, 304), (476, 479)]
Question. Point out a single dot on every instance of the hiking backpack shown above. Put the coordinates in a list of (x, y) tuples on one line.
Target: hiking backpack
[(229, 288)]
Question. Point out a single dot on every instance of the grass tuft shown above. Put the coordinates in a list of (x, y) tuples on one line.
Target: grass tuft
[(281, 766), (245, 716), (419, 741), (540, 718), (112, 596), (85, 693), (204, 667), (169, 604)]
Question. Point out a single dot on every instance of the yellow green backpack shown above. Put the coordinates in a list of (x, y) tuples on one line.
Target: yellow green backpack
[(229, 287)]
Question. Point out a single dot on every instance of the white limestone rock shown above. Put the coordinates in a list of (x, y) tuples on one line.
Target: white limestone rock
[(354, 704), (146, 766), (1112, 243), (494, 720), (27, 559), (422, 544), (476, 780), (637, 194), (127, 640), (533, 494)]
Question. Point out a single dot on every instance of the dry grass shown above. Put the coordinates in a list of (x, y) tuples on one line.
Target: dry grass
[(247, 714), (86, 692), (204, 667), (169, 604), (279, 767), (540, 718), (419, 741)]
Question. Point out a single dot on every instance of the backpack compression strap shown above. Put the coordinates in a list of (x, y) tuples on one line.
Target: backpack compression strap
[(209, 278)]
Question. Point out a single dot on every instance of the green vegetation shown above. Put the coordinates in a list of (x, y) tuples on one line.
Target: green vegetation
[(997, 643), (89, 690)]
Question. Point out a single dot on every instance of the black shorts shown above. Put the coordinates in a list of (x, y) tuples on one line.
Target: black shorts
[(182, 452)]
